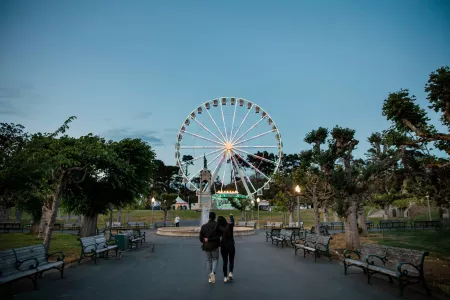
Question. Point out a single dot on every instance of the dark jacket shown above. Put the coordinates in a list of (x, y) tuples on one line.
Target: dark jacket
[(207, 231), (227, 234)]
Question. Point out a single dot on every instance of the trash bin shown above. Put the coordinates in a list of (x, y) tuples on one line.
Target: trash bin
[(122, 241)]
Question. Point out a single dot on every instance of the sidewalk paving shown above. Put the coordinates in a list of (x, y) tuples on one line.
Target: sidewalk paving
[(177, 270)]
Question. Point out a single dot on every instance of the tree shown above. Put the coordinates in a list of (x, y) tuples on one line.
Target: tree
[(285, 198), (166, 179), (167, 200), (13, 180), (315, 170), (121, 176), (409, 118), (348, 183)]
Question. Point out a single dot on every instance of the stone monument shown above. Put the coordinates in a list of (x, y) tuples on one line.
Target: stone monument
[(204, 194)]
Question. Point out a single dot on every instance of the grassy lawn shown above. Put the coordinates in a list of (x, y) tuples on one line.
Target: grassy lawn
[(66, 243)]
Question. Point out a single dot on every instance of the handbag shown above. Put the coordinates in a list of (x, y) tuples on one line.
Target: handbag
[(206, 246)]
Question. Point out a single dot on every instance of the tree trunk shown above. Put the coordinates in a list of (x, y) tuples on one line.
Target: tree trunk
[(362, 221), (89, 226), (325, 214), (316, 214), (35, 226), (18, 215), (291, 216), (351, 228), (336, 217), (4, 214), (44, 220), (165, 215), (68, 218), (119, 214), (386, 212), (55, 203), (111, 218)]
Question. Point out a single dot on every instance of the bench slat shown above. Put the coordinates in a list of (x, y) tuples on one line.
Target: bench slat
[(7, 262)]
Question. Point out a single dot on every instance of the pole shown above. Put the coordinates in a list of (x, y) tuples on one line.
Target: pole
[(270, 213), (259, 226), (298, 210), (429, 211), (153, 209)]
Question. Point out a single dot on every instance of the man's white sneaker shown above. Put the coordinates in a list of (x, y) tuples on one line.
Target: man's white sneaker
[(225, 279), (230, 276), (212, 278)]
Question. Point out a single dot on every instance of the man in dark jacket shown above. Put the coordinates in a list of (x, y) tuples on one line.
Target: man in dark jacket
[(210, 238)]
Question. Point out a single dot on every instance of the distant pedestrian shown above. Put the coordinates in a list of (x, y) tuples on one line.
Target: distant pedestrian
[(210, 238), (227, 248), (177, 221)]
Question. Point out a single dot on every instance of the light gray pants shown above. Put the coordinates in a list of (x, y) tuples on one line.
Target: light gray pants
[(212, 260)]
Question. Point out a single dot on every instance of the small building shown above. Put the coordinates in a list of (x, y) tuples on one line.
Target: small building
[(180, 204)]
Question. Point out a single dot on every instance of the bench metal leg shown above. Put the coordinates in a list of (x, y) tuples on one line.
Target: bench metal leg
[(62, 270)]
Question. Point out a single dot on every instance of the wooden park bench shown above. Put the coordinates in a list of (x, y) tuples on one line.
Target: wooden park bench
[(166, 224), (11, 226), (392, 224), (333, 225), (317, 244), (250, 224), (240, 224), (278, 224), (269, 225), (39, 254), (113, 224), (402, 264), (11, 271), (357, 258), (73, 227), (134, 237), (96, 246), (436, 224), (274, 232), (285, 237), (369, 225), (139, 224)]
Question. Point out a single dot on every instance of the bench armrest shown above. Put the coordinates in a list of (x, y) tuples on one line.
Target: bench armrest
[(60, 254), (92, 251), (404, 271), (320, 244), (370, 259), (19, 263), (348, 253)]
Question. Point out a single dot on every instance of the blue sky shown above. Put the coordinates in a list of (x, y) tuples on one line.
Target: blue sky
[(137, 68)]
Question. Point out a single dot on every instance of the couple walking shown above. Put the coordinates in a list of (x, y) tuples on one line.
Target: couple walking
[(214, 235)]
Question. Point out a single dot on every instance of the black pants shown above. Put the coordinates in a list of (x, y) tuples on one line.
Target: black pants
[(177, 224), (228, 252)]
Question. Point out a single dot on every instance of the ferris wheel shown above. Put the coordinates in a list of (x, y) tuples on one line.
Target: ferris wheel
[(236, 140)]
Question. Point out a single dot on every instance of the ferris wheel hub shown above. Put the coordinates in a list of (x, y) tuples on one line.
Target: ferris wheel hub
[(228, 145)]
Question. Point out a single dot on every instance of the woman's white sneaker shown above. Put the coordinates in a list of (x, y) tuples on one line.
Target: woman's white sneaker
[(230, 276), (225, 279), (212, 278)]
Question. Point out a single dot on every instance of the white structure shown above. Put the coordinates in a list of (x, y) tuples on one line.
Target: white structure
[(242, 140)]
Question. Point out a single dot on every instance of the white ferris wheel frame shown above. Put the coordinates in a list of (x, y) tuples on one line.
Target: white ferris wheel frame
[(229, 143)]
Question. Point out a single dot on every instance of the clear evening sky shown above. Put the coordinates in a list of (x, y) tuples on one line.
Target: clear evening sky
[(137, 68)]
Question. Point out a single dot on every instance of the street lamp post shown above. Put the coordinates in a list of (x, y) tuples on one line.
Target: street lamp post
[(298, 190), (253, 206), (257, 201), (153, 207), (429, 211)]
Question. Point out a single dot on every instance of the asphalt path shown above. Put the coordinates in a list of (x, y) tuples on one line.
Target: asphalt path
[(177, 270)]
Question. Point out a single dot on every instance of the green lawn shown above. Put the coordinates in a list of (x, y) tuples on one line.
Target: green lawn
[(436, 242), (66, 243)]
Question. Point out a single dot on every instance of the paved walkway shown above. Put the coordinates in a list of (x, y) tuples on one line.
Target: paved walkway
[(177, 270)]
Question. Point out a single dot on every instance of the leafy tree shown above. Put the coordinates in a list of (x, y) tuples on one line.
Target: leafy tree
[(285, 198), (349, 182), (315, 170), (409, 118), (121, 176), (166, 178)]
